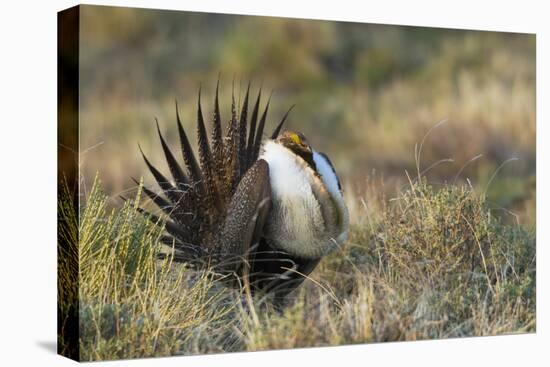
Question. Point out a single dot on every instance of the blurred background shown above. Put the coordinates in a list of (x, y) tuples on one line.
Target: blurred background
[(365, 94)]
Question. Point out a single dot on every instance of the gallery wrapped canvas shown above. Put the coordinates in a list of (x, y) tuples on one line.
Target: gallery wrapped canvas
[(241, 183)]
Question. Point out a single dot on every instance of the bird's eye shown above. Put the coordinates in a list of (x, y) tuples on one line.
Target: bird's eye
[(295, 138)]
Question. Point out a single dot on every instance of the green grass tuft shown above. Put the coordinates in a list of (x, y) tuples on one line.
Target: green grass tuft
[(430, 263), (132, 304)]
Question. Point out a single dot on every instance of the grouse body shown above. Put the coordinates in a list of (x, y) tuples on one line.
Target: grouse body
[(266, 210)]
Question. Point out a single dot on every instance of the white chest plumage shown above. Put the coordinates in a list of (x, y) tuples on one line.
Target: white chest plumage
[(309, 218)]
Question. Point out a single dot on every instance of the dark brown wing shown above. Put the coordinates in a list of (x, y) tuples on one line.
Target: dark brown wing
[(247, 212)]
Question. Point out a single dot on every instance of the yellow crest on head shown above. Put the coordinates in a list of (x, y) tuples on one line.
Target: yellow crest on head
[(295, 138)]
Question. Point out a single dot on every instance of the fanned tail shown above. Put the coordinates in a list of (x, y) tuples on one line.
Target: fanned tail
[(197, 200)]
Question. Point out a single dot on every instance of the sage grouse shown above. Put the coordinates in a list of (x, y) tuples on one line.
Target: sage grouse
[(264, 210)]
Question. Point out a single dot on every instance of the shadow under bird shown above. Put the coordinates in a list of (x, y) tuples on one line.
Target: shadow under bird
[(266, 210)]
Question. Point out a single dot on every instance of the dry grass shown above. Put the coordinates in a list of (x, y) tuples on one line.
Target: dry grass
[(133, 305), (430, 263), (435, 264)]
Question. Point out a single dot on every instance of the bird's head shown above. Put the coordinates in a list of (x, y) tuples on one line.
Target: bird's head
[(297, 143)]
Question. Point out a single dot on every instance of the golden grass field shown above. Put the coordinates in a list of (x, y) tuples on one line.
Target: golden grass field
[(442, 240), (435, 263)]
